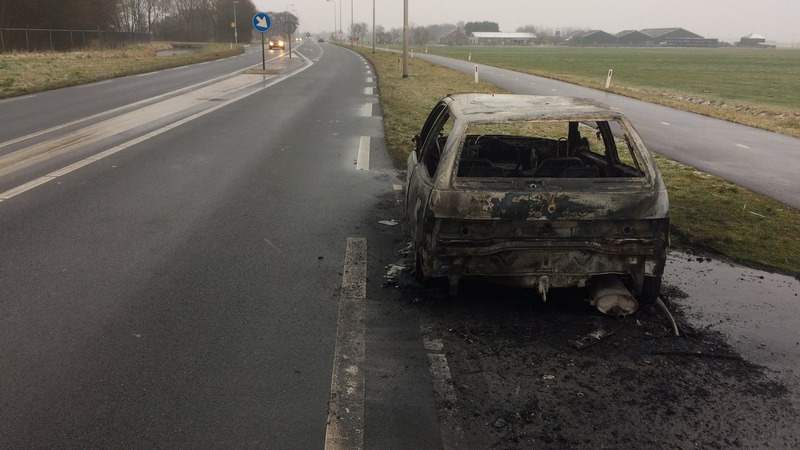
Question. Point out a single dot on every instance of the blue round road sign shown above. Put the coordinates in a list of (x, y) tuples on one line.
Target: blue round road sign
[(261, 22)]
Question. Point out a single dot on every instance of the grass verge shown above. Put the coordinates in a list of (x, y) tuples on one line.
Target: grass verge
[(754, 87), (707, 213), (27, 73)]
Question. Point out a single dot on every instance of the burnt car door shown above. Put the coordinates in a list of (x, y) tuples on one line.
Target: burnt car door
[(422, 166)]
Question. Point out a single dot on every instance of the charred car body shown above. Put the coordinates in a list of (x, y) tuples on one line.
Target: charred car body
[(538, 192)]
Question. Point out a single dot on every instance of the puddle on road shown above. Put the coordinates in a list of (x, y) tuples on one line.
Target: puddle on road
[(759, 311)]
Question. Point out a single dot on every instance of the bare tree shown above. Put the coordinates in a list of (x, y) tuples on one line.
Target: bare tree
[(359, 30)]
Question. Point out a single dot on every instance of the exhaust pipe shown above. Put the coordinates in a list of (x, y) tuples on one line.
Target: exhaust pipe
[(611, 297)]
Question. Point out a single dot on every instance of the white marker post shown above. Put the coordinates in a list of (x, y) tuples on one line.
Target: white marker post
[(477, 77), (608, 80)]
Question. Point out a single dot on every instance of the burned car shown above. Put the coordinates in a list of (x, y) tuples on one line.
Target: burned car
[(537, 192)]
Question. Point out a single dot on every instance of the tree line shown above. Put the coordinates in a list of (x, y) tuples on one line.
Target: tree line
[(181, 20), (205, 20)]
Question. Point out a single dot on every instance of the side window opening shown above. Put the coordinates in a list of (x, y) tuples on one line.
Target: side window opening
[(434, 143), (548, 149)]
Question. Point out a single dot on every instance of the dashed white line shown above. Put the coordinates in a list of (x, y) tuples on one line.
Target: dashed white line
[(743, 146), (369, 91), (362, 163), (666, 124), (452, 434), (398, 193), (366, 110)]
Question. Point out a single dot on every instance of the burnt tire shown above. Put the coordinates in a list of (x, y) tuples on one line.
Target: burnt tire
[(651, 289)]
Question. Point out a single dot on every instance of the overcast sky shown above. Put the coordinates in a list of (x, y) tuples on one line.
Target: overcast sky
[(726, 20)]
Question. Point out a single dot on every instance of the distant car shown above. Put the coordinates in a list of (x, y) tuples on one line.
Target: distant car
[(276, 42), (538, 192), (320, 40)]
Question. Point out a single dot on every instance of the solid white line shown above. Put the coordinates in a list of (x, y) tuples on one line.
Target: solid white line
[(345, 428), (120, 108), (362, 163), (84, 162), (25, 187)]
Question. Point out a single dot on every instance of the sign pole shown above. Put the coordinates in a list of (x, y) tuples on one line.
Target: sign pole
[(262, 23)]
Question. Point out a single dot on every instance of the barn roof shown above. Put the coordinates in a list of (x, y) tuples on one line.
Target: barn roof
[(663, 32), (501, 35)]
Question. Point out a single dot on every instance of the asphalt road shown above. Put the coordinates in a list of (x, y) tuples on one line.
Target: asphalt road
[(761, 161), (186, 281), (177, 284)]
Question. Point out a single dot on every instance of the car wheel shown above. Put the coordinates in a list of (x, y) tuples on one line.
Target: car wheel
[(651, 289)]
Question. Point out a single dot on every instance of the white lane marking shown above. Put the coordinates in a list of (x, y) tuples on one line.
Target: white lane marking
[(63, 171), (362, 163), (366, 110), (98, 83), (742, 146), (398, 193), (124, 122), (345, 428), (369, 79), (369, 91), (120, 108), (15, 99), (452, 434), (666, 123)]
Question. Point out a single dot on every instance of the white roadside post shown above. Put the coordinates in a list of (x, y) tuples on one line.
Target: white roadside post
[(608, 80), (477, 77)]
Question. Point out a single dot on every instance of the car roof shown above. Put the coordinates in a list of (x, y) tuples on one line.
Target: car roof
[(502, 107)]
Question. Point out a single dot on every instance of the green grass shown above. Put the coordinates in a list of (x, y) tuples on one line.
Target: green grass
[(26, 73), (707, 213), (756, 87)]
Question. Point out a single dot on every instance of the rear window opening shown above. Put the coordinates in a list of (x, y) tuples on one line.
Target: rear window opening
[(548, 150)]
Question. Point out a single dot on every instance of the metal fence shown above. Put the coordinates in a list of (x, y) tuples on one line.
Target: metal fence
[(37, 40)]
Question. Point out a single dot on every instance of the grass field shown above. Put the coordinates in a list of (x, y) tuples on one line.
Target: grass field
[(26, 73), (756, 87), (707, 213)]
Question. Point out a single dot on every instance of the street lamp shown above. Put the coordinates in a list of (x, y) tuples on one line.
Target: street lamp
[(351, 23), (338, 29), (405, 38), (334, 16), (235, 29)]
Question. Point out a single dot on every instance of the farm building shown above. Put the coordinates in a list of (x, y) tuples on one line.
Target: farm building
[(633, 38), (754, 40), (495, 38), (455, 37), (591, 38), (660, 35), (678, 37)]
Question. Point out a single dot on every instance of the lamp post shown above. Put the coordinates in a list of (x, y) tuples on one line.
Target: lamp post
[(351, 23), (334, 17), (235, 29), (405, 38), (373, 26)]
